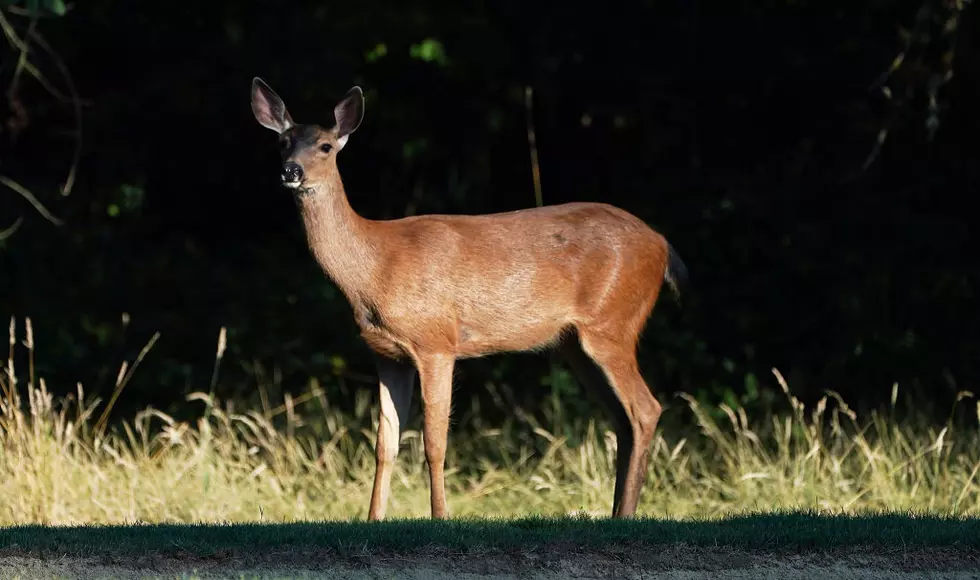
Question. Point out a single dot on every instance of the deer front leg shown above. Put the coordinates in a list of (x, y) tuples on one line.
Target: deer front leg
[(436, 375), (396, 381)]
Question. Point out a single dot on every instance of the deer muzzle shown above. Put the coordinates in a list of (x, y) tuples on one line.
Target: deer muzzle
[(292, 175)]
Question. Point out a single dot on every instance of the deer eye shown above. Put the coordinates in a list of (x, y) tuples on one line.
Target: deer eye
[(326, 147), (284, 143)]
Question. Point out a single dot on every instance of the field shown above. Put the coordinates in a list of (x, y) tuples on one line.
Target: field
[(820, 489)]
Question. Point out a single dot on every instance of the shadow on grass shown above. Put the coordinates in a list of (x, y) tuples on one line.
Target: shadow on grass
[(781, 531)]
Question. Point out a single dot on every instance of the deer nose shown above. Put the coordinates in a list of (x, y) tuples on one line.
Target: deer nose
[(292, 174)]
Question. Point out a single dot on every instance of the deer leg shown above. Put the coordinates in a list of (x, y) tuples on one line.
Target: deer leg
[(593, 379), (396, 381), (436, 374), (617, 359)]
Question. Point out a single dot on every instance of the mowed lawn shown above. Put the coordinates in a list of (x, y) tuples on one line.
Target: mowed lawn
[(781, 531), (766, 546)]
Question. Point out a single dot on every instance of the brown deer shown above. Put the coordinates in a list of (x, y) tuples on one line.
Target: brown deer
[(428, 290)]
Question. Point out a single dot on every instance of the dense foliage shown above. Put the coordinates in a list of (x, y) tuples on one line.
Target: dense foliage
[(745, 131)]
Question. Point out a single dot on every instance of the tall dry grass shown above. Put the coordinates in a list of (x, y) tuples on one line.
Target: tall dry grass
[(62, 463)]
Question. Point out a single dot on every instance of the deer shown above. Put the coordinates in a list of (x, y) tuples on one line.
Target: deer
[(429, 290)]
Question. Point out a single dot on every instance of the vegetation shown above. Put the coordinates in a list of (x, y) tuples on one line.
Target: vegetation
[(740, 130), (305, 459)]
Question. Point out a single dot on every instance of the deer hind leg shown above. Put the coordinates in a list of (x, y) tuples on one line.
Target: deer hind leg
[(396, 381), (594, 380), (436, 374), (617, 360)]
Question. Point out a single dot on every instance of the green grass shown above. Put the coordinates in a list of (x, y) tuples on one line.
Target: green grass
[(305, 460), (767, 531)]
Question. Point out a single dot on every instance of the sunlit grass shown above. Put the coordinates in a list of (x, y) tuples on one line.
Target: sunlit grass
[(309, 461)]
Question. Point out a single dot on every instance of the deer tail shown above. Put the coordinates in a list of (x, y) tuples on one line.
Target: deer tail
[(675, 274)]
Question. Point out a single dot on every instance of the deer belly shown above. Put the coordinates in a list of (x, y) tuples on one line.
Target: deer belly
[(508, 334)]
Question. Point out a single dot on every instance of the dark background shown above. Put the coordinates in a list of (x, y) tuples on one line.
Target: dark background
[(741, 129)]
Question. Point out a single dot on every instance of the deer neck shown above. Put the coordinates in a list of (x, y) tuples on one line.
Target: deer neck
[(338, 238)]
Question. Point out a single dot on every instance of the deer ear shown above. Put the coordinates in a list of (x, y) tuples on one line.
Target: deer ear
[(268, 108), (348, 114)]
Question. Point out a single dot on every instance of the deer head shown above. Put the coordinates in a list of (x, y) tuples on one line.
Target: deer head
[(309, 152)]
